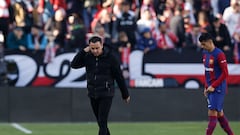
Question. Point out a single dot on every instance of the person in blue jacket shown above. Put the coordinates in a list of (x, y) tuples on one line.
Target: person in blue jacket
[(146, 42), (17, 39), (36, 40)]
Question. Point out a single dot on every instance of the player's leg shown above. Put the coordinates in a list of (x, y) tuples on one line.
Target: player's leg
[(212, 121), (224, 123), (104, 108), (212, 113), (95, 105)]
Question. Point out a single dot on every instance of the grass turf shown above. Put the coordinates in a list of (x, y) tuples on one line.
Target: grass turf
[(117, 128)]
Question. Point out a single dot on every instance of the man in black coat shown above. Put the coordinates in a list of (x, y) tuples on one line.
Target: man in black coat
[(102, 69)]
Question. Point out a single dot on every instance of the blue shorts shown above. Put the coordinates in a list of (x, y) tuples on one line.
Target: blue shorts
[(215, 101)]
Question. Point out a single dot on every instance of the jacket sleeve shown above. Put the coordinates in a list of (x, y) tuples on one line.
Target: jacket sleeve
[(30, 44), (118, 76), (78, 60)]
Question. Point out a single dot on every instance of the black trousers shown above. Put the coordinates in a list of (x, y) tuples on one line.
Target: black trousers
[(101, 107)]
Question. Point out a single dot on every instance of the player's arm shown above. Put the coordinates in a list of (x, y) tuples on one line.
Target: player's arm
[(117, 73), (223, 65), (78, 60)]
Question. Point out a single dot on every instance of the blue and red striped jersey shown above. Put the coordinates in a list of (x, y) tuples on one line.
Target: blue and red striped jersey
[(216, 70)]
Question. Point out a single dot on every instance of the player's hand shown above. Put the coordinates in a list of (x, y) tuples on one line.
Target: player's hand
[(127, 100), (210, 89), (86, 49), (205, 92)]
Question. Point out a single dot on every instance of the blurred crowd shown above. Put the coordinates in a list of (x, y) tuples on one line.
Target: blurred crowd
[(124, 25)]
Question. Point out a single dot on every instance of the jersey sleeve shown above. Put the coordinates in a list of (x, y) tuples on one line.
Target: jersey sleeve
[(222, 62)]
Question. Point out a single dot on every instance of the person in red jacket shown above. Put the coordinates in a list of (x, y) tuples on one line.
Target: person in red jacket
[(165, 38)]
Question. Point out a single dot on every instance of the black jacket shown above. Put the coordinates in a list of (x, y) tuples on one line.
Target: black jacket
[(101, 72)]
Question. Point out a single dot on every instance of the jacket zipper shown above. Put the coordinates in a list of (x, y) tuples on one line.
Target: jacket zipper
[(95, 76), (108, 87)]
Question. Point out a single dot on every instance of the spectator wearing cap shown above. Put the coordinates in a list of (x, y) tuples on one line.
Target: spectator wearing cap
[(17, 39), (36, 39), (146, 42)]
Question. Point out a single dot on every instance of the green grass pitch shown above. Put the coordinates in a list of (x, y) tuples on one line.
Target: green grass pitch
[(117, 128)]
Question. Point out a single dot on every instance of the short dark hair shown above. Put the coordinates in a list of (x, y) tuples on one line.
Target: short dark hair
[(205, 37), (95, 39)]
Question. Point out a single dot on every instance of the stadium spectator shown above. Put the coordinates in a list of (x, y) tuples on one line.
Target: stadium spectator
[(117, 5), (90, 8), (177, 26), (192, 38), (45, 11), (106, 38), (78, 6), (147, 21), (148, 4), (76, 33), (197, 4), (187, 23), (57, 26), (56, 4), (17, 39), (204, 22), (146, 42), (189, 11), (231, 16), (167, 15), (206, 7), (165, 38), (102, 70), (221, 35), (36, 39), (105, 19), (159, 7), (216, 73), (123, 47), (236, 42), (23, 14), (126, 22)]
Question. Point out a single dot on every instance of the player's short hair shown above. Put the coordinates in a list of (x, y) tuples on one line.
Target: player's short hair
[(205, 37), (95, 39)]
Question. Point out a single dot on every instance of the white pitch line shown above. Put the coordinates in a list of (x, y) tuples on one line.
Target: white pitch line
[(21, 128)]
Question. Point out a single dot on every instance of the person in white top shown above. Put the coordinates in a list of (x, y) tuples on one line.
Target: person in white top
[(231, 16)]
